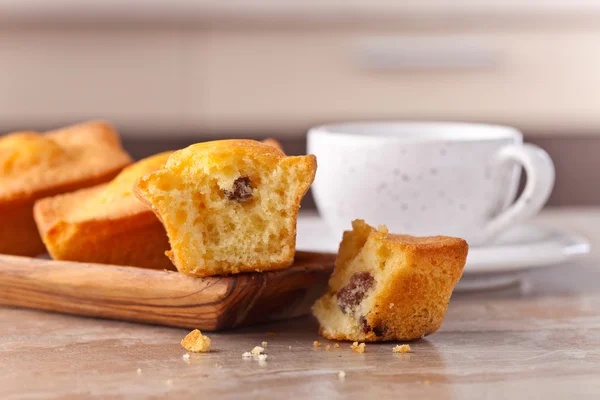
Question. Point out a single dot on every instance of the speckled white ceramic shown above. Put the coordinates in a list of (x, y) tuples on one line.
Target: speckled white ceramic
[(428, 178)]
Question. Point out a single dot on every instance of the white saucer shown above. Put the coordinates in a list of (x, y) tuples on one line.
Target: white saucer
[(499, 264)]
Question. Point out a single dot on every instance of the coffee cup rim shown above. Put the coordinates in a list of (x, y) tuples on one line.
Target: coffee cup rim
[(417, 131)]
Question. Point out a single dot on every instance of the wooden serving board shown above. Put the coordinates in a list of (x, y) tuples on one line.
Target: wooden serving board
[(164, 297)]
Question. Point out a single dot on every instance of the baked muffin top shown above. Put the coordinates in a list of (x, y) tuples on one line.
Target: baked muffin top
[(33, 165)]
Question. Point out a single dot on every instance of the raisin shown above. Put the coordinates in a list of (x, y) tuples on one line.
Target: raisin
[(364, 324), (241, 191), (354, 292), (380, 330)]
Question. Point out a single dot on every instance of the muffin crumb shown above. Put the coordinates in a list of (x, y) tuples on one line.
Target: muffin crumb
[(196, 342), (186, 357), (327, 347), (247, 354), (262, 357), (404, 348), (358, 348), (264, 344), (257, 350), (336, 346), (342, 375), (316, 344)]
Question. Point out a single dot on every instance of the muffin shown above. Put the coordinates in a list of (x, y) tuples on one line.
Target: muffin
[(229, 206), (34, 165), (389, 287), (106, 224)]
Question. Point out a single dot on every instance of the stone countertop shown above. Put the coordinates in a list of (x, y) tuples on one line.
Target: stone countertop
[(537, 340)]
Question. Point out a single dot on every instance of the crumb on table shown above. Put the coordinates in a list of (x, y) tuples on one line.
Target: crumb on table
[(257, 350), (401, 348), (327, 347), (247, 354), (358, 348), (341, 375), (262, 357), (336, 346), (264, 344), (196, 342), (316, 344)]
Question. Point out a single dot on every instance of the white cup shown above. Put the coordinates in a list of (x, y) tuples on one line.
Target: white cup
[(424, 178)]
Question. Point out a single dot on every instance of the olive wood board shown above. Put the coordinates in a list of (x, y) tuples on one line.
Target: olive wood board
[(165, 297)]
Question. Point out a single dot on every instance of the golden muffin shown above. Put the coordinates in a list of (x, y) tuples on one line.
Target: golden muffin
[(106, 224), (229, 206), (34, 165), (389, 287)]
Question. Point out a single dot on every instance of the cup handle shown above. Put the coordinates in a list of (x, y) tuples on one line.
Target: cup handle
[(539, 170)]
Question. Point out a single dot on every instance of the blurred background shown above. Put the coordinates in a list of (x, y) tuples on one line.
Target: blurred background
[(171, 73)]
